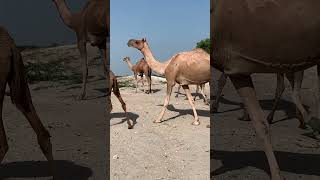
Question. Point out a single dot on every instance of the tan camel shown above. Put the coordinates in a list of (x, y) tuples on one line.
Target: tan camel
[(185, 68), (201, 87), (295, 80), (140, 68), (115, 88), (13, 74), (264, 45), (90, 26)]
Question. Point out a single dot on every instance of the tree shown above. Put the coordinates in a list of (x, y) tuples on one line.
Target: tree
[(205, 45)]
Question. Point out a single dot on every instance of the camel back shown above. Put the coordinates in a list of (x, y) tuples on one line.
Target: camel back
[(251, 36)]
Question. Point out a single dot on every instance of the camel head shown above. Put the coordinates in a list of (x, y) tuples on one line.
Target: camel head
[(138, 44), (126, 59)]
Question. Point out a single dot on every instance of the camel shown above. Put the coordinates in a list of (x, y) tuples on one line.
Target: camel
[(140, 68), (184, 68), (90, 26), (114, 86), (13, 74), (201, 87), (264, 44), (295, 80)]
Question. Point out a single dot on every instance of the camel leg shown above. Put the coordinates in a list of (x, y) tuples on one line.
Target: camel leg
[(189, 96), (3, 139), (203, 94), (166, 102), (43, 135), (245, 88), (318, 94), (295, 80), (197, 92), (221, 83), (136, 78), (178, 91), (279, 90), (149, 83), (123, 104), (142, 83), (84, 65)]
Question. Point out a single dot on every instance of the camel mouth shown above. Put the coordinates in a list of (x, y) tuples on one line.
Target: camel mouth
[(131, 42)]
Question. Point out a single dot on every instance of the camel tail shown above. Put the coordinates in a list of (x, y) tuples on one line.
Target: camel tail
[(19, 90)]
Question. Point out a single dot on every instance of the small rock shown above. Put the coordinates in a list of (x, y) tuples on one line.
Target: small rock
[(115, 156)]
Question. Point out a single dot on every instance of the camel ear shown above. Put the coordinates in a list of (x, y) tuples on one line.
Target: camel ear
[(144, 39)]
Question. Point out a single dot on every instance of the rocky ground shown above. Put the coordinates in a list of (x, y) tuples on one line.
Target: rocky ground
[(236, 152)]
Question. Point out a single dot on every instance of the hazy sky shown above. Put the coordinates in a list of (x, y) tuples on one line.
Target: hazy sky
[(170, 26), (36, 22)]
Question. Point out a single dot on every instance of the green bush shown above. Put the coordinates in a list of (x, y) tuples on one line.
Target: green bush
[(205, 45)]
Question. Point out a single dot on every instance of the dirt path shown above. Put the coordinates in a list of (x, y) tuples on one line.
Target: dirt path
[(238, 154), (173, 149)]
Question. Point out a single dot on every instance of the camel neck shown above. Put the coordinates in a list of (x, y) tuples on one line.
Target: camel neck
[(155, 65), (130, 65), (64, 12)]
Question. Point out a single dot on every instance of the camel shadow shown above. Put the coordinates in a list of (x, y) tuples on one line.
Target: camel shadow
[(183, 112), (155, 91), (65, 170), (288, 107), (131, 116), (307, 164)]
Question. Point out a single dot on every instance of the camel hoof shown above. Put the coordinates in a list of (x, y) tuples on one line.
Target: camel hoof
[(214, 110), (244, 118), (196, 123), (157, 121), (303, 126), (130, 127), (81, 97)]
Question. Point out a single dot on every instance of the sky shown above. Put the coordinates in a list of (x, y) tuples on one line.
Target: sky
[(170, 26), (37, 22)]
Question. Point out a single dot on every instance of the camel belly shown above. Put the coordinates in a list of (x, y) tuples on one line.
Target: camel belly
[(266, 36), (194, 76)]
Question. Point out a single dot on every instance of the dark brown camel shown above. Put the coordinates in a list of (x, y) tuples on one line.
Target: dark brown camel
[(90, 25), (115, 88), (247, 40), (12, 73), (140, 68)]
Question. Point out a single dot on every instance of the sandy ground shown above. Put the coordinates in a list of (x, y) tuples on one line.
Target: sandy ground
[(236, 152), (78, 128), (173, 149)]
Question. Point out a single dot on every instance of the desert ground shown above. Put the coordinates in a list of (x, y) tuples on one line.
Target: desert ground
[(237, 154), (173, 149), (78, 128)]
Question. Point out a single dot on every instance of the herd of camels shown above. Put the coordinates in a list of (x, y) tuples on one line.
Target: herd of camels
[(239, 50)]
